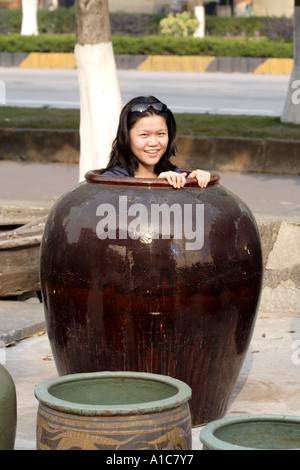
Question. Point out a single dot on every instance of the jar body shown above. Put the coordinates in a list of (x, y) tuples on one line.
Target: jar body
[(113, 411), (180, 302), (8, 410)]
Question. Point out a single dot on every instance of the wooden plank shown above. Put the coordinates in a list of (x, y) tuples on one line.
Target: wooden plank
[(20, 259), (25, 236), (18, 213), (19, 271)]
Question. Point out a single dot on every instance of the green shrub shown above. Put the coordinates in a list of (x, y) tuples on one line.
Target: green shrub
[(57, 21), (230, 26), (10, 20), (180, 24), (278, 28), (208, 46), (40, 43), (155, 45), (62, 21), (134, 24)]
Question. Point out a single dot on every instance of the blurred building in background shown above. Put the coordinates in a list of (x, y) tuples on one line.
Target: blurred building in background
[(219, 7)]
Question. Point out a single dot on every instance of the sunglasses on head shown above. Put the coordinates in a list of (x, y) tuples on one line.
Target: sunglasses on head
[(142, 107)]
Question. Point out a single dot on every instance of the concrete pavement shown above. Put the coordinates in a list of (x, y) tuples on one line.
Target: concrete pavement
[(269, 381), (28, 182)]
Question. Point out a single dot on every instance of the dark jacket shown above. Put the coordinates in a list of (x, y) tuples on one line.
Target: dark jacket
[(120, 172), (116, 170)]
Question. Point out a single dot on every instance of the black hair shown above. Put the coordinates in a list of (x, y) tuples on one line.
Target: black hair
[(121, 153)]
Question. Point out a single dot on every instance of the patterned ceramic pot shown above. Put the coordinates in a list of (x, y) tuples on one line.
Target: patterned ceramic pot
[(139, 276), (113, 411), (8, 410), (256, 432)]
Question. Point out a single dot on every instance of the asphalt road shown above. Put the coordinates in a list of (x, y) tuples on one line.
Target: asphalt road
[(183, 92)]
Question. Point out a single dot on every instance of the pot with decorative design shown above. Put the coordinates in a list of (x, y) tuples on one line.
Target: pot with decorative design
[(139, 276), (113, 411)]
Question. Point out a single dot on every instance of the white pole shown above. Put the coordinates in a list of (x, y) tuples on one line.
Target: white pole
[(100, 104), (29, 18), (200, 14)]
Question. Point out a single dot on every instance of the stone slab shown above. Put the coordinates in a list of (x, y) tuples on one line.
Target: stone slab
[(19, 319), (278, 156)]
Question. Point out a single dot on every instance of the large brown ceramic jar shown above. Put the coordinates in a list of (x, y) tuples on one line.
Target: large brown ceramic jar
[(122, 295)]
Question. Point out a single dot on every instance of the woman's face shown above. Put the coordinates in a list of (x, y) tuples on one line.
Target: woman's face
[(148, 140)]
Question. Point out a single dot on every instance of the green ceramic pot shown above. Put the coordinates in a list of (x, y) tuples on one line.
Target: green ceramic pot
[(113, 411), (257, 432), (8, 410)]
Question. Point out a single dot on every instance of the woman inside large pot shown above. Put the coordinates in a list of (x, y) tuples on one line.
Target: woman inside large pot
[(146, 267), (145, 142)]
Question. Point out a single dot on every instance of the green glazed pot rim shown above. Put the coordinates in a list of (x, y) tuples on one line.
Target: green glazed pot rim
[(43, 394), (210, 441)]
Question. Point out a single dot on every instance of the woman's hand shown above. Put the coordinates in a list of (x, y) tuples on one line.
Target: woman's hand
[(177, 180), (203, 177)]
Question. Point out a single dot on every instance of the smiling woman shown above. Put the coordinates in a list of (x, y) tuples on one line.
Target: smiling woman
[(148, 141), (145, 142)]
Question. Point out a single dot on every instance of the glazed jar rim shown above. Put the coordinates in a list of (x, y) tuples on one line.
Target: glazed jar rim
[(95, 176), (43, 394), (210, 441)]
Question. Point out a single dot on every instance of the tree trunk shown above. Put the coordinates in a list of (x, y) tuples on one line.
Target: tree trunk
[(29, 18), (100, 99), (291, 110)]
